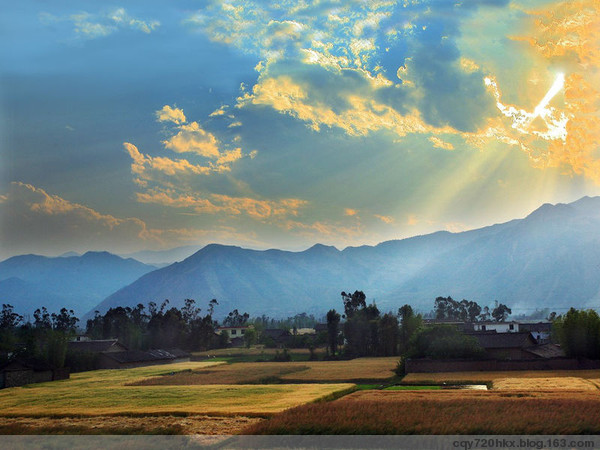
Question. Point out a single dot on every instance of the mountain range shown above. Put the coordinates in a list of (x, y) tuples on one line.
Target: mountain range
[(28, 282), (549, 259)]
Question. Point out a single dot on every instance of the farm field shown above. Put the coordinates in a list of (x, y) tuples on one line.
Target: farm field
[(255, 354), (105, 392), (355, 370), (490, 377), (442, 412), (160, 424)]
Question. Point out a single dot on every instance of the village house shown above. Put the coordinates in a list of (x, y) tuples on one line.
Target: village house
[(138, 358), (512, 345), (234, 332), (498, 327), (541, 331)]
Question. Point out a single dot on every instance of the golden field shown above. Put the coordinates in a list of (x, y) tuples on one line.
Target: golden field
[(490, 377), (104, 392), (442, 412), (289, 372)]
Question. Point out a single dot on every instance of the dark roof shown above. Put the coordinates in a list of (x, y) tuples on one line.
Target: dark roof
[(320, 327), (95, 346), (133, 356), (539, 326), (547, 351), (25, 364), (504, 340), (276, 333), (178, 353)]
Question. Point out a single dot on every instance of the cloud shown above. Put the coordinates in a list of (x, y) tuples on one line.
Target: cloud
[(169, 114), (350, 212), (191, 138), (356, 66), (92, 26), (384, 219), (145, 167), (323, 230), (259, 209), (219, 112), (439, 143), (562, 129), (34, 221)]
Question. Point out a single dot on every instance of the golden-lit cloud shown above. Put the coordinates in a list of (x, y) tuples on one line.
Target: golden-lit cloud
[(191, 138), (362, 116), (219, 112), (258, 209), (143, 165), (324, 230), (439, 143), (350, 212), (563, 129), (412, 220), (384, 219), (169, 114), (30, 212)]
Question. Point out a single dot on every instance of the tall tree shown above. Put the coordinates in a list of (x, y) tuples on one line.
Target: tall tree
[(333, 323)]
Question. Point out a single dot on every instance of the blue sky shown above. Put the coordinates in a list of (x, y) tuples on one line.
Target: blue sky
[(149, 125)]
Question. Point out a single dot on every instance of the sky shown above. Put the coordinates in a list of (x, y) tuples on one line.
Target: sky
[(150, 125)]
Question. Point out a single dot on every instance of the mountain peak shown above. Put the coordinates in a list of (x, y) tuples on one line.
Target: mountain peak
[(321, 248)]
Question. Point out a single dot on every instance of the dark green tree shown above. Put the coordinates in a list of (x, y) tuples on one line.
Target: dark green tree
[(501, 312), (333, 325), (409, 325), (578, 332)]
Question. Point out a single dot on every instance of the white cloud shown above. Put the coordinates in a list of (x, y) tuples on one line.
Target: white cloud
[(92, 26)]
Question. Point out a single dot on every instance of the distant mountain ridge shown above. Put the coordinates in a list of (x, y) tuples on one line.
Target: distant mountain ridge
[(551, 258), (29, 282)]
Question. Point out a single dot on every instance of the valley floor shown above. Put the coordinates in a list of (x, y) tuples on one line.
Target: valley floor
[(303, 397)]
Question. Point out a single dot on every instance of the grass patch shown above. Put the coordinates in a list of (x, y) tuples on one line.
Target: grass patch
[(367, 387), (413, 388)]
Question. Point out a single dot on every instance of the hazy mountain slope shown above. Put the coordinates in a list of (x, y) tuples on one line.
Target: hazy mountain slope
[(278, 282), (163, 257), (74, 282), (549, 259)]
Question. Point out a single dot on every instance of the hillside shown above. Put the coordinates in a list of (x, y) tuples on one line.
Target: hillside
[(29, 282), (551, 259)]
